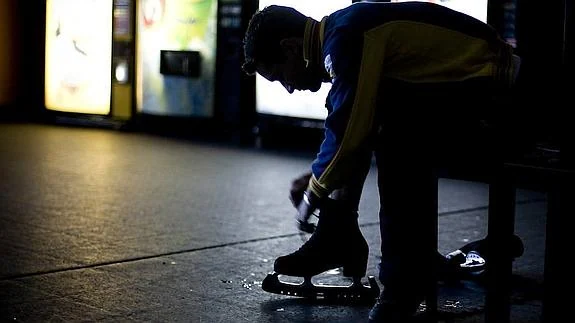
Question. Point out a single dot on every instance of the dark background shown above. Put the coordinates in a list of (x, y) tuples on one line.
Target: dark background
[(544, 36)]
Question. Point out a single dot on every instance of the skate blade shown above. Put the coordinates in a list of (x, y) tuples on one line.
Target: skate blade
[(354, 292)]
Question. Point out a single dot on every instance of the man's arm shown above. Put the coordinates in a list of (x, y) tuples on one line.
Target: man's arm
[(298, 187), (356, 63)]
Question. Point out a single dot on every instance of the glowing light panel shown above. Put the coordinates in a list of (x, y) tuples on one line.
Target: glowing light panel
[(78, 55), (474, 8)]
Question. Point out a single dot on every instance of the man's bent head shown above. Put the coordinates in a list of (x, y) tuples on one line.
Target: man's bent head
[(267, 28), (273, 47)]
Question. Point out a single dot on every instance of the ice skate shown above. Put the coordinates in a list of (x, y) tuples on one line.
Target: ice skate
[(336, 242), (469, 261), (356, 291)]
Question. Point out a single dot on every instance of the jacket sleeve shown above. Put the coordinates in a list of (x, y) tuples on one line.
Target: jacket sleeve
[(347, 126)]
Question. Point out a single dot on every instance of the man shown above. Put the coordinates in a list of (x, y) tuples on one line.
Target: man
[(406, 78)]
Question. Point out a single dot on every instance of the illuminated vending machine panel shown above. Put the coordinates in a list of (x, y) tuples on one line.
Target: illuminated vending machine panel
[(272, 98), (89, 57), (176, 57), (78, 56)]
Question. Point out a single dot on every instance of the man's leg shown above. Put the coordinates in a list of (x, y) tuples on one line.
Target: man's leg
[(337, 241), (407, 192), (405, 183)]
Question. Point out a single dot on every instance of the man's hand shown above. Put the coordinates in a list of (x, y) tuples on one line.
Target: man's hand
[(298, 187), (309, 203)]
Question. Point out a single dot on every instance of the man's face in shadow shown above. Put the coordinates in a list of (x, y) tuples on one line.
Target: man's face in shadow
[(292, 72)]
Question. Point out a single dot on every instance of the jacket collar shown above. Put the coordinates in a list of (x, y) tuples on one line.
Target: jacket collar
[(313, 41)]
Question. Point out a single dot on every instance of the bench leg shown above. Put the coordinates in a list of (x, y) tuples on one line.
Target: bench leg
[(431, 251), (501, 222), (560, 208)]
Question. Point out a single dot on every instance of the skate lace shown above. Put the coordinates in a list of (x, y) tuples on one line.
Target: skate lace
[(313, 226), (309, 245)]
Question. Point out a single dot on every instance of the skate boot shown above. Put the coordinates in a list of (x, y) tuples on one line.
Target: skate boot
[(336, 242)]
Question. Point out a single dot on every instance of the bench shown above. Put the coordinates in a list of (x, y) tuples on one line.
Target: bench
[(543, 169)]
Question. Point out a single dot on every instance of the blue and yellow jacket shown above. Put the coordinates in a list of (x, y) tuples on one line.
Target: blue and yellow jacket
[(412, 42)]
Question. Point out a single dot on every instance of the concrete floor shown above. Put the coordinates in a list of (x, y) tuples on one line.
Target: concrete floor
[(105, 225)]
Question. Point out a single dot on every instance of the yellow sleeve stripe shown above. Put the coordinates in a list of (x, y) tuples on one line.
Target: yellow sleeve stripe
[(362, 114), (322, 30), (317, 188)]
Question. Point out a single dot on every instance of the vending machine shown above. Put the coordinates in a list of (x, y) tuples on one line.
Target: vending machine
[(176, 57), (89, 58)]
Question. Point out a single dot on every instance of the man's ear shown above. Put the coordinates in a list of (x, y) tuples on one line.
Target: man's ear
[(293, 45)]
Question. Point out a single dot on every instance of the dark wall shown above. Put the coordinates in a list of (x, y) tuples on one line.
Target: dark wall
[(544, 33), (248, 95), (9, 54), (569, 35), (540, 33), (30, 95), (545, 79)]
